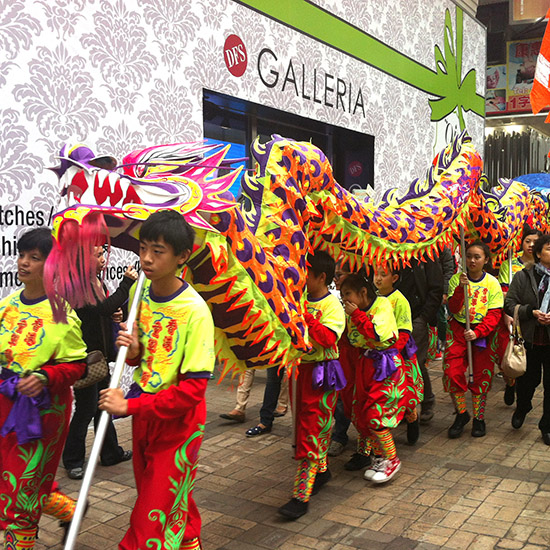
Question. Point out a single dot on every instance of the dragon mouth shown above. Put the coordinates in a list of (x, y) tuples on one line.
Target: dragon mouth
[(100, 187)]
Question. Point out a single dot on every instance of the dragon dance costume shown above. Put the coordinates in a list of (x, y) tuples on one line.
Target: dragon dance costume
[(319, 379), (33, 430), (414, 393), (167, 404), (375, 370), (486, 302)]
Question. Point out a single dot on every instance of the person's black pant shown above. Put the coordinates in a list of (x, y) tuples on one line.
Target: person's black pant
[(86, 408), (271, 395), (341, 424), (420, 334), (538, 367)]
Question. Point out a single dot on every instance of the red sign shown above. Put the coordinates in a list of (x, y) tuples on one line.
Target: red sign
[(355, 169), (235, 56)]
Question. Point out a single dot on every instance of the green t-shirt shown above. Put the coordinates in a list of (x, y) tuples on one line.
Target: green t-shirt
[(30, 338), (177, 335), (380, 314), (401, 310), (504, 271), (484, 295), (330, 313)]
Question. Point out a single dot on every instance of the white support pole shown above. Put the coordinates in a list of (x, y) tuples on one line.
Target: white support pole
[(102, 426)]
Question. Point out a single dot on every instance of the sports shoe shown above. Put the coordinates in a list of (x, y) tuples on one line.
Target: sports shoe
[(335, 448), (369, 472), (357, 462), (386, 470), (509, 394), (124, 457), (320, 479), (75, 473), (457, 427), (294, 509)]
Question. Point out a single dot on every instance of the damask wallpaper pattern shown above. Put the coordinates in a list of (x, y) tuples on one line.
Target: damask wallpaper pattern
[(119, 75)]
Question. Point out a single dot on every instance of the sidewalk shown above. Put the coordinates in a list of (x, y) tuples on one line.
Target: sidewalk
[(467, 493)]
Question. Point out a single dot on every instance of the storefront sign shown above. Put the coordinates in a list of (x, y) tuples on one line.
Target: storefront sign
[(522, 61), (310, 83), (235, 56)]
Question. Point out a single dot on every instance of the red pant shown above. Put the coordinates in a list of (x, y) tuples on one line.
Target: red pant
[(455, 362), (313, 410), (165, 462), (32, 466)]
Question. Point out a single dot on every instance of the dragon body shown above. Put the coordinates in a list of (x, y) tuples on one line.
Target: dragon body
[(249, 259)]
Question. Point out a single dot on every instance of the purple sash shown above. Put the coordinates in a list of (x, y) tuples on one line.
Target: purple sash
[(328, 375), (410, 349), (384, 363), (480, 342), (24, 416)]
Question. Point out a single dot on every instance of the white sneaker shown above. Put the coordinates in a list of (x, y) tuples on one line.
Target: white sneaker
[(369, 472), (386, 470)]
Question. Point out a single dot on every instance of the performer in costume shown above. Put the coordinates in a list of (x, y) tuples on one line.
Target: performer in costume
[(384, 281), (486, 302), (319, 378), (526, 259), (173, 347), (379, 377), (40, 360)]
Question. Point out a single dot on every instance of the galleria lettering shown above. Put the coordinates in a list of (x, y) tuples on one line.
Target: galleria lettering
[(311, 85)]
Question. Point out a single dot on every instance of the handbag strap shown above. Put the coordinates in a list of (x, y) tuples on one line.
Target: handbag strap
[(516, 329)]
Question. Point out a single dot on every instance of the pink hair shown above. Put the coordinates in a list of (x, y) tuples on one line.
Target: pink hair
[(69, 272)]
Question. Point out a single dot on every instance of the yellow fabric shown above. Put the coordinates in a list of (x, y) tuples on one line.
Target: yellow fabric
[(380, 313), (29, 337), (59, 506), (22, 539), (329, 312), (177, 337), (401, 310), (504, 271), (484, 295)]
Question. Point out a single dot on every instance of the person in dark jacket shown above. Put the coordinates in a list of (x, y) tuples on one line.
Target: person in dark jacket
[(422, 285), (97, 334), (530, 290)]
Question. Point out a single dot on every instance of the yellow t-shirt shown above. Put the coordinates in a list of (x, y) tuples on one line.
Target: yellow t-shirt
[(484, 295), (30, 338), (177, 335), (380, 313), (330, 313), (401, 310), (504, 271)]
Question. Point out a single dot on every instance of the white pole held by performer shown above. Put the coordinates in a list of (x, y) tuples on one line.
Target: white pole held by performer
[(102, 426)]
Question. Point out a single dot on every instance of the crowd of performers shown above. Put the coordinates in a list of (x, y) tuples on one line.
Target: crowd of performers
[(369, 348)]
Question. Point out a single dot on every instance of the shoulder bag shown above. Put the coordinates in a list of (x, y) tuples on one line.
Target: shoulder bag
[(514, 360)]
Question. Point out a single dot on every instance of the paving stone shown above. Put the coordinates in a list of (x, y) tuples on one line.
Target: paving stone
[(465, 494)]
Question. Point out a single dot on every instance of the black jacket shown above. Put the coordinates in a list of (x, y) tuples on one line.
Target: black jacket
[(422, 285), (524, 290), (96, 320)]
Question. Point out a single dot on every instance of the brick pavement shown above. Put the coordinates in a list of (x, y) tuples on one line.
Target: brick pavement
[(475, 494)]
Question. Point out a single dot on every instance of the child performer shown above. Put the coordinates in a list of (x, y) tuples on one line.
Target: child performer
[(384, 281), (319, 378), (525, 259), (485, 304), (379, 379), (172, 345), (40, 360)]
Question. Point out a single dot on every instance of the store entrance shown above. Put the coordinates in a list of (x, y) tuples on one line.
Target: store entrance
[(230, 120)]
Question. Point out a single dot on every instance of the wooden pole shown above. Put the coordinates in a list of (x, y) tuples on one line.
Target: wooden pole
[(466, 307)]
